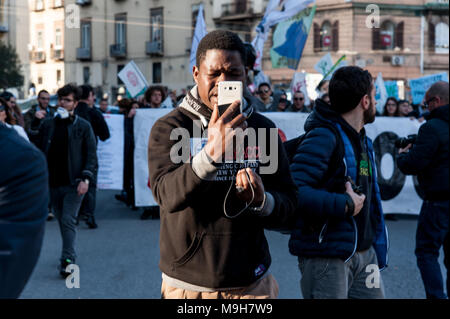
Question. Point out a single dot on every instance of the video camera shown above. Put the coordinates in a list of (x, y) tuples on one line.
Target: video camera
[(405, 141)]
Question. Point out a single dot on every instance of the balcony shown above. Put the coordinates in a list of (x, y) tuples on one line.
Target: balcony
[(58, 54), (84, 54), (237, 10), (118, 50), (4, 28), (154, 48), (37, 56)]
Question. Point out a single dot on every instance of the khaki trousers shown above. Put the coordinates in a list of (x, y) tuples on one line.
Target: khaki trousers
[(266, 288)]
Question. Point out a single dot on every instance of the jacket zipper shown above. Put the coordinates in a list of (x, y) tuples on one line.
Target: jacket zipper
[(322, 232), (356, 241)]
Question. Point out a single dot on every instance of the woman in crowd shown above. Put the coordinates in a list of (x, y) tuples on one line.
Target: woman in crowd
[(8, 119), (10, 100), (390, 108)]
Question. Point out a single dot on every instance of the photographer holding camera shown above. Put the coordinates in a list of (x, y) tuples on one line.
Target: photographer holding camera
[(428, 159)]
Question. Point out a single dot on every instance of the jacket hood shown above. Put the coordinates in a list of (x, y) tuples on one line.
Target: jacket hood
[(321, 114), (439, 113)]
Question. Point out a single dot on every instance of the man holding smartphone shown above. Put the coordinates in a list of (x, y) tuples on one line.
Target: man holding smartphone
[(213, 212)]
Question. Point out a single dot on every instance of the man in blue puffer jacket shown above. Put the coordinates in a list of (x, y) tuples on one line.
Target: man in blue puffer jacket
[(340, 237)]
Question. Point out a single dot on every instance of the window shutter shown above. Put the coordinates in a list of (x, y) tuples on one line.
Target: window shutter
[(335, 36), (431, 37), (316, 37), (399, 32), (376, 41)]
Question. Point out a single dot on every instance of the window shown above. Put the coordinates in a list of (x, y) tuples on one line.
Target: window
[(441, 38), (58, 38), (119, 68), (39, 5), (156, 25), (86, 34), (40, 40), (57, 3), (157, 74), (40, 80), (120, 28), (325, 36), (387, 35), (86, 75), (58, 77)]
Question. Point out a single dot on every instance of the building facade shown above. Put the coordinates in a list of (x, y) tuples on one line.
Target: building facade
[(14, 30), (411, 39), (46, 44)]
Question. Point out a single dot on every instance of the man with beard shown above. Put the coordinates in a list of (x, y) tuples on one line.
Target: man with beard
[(340, 238)]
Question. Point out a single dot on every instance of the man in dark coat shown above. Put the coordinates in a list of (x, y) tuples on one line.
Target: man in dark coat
[(23, 210), (428, 159)]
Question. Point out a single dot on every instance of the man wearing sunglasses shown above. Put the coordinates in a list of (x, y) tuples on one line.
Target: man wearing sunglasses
[(428, 159), (68, 142), (298, 104)]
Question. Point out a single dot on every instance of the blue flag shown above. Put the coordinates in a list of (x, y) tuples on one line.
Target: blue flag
[(199, 33), (289, 39)]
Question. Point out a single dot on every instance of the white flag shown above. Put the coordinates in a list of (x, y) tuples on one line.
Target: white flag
[(299, 84), (381, 95), (199, 33), (133, 79), (276, 12), (324, 65)]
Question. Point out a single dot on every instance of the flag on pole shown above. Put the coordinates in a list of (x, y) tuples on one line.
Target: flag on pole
[(381, 95), (199, 33), (324, 65), (135, 82), (289, 39), (298, 84), (276, 12)]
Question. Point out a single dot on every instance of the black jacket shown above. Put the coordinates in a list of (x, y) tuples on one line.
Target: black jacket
[(95, 118), (32, 123), (429, 156), (82, 155), (198, 243), (23, 210)]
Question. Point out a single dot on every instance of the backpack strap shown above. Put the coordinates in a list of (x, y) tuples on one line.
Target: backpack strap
[(349, 154)]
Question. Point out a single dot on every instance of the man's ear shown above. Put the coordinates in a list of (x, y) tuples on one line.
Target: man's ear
[(195, 73), (365, 102), (75, 104)]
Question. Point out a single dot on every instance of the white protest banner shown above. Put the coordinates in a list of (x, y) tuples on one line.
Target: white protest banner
[(299, 84), (110, 154), (420, 86), (399, 192), (133, 79), (381, 93), (324, 65)]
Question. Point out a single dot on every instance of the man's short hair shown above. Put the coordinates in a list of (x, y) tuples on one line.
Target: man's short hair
[(42, 91), (69, 89), (347, 87), (220, 40), (85, 90), (264, 84), (150, 90), (440, 89)]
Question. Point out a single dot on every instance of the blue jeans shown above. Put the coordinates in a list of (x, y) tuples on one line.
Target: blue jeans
[(66, 202), (432, 233)]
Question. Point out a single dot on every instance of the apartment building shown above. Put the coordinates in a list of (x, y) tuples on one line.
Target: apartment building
[(14, 30), (46, 44), (411, 41), (155, 34)]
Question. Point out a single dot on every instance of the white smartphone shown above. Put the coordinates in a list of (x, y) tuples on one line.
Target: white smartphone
[(229, 91)]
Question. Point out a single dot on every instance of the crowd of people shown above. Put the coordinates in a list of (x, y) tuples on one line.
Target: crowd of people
[(213, 215)]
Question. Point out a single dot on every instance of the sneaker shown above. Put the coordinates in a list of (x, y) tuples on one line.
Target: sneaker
[(50, 216), (62, 268), (90, 221)]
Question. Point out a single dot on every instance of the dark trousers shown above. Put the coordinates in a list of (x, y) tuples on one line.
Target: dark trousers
[(432, 233), (88, 205)]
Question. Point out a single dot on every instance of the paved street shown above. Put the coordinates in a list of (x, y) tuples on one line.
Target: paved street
[(120, 259)]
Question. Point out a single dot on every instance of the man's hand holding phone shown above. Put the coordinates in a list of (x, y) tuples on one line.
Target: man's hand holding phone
[(221, 130)]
